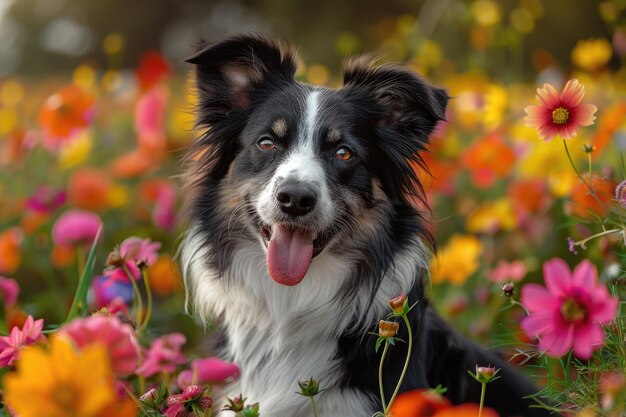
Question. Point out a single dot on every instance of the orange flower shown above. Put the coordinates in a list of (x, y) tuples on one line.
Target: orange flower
[(466, 410), (61, 256), (529, 194), (584, 205), (135, 163), (610, 121), (419, 403), (488, 159), (91, 189), (163, 276), (64, 113), (10, 253)]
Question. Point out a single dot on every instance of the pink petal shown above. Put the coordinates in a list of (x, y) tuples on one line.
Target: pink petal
[(537, 324), (583, 115), (556, 275), (572, 94), (588, 338), (537, 298), (604, 306), (585, 275), (548, 96), (558, 342)]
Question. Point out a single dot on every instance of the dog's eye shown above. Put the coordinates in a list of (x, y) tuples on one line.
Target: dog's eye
[(266, 143), (344, 153)]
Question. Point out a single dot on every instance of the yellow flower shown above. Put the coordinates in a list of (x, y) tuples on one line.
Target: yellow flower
[(492, 217), (592, 54), (496, 103), (60, 382), (75, 153), (457, 260)]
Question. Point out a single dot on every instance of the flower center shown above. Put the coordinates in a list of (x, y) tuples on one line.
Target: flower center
[(572, 311), (560, 115), (64, 397)]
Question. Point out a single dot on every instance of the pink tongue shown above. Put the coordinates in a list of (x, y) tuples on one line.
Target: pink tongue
[(289, 255)]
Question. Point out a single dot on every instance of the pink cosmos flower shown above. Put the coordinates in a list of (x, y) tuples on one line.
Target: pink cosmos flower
[(164, 355), (76, 228), (132, 250), (9, 289), (568, 313), (136, 248), (208, 371), (118, 338), (560, 114), (508, 271), (11, 345)]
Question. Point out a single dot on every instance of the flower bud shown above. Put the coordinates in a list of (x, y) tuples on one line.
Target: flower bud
[(485, 374), (388, 328), (175, 399), (206, 402), (236, 404), (399, 304), (150, 398), (192, 391), (309, 388), (251, 410), (507, 289)]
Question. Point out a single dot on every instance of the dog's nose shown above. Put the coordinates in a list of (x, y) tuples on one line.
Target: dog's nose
[(296, 199)]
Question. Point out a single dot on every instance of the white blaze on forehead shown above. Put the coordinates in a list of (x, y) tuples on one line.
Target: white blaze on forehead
[(310, 116)]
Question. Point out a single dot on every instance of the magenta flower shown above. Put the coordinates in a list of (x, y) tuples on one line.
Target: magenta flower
[(45, 200), (164, 356), (76, 228), (177, 404), (208, 371), (560, 114), (508, 271), (163, 214), (568, 313), (9, 289), (11, 345), (118, 338)]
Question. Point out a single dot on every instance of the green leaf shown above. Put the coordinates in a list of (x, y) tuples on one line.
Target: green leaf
[(378, 343), (79, 304)]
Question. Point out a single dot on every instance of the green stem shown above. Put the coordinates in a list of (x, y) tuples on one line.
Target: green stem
[(588, 185), (313, 405), (146, 319), (80, 260), (406, 364), (139, 306), (482, 399), (380, 376), (582, 243)]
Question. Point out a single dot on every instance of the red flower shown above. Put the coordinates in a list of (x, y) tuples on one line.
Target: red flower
[(560, 114)]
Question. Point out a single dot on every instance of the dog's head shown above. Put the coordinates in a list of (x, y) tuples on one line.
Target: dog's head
[(297, 165)]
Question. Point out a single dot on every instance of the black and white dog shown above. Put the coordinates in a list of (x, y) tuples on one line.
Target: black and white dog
[(301, 227)]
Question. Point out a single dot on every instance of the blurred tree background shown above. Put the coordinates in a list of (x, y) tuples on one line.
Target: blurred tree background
[(43, 37)]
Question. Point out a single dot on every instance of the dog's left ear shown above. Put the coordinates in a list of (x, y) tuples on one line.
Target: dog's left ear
[(407, 110)]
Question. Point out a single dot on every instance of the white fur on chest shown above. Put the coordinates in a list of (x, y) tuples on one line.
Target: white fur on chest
[(279, 335)]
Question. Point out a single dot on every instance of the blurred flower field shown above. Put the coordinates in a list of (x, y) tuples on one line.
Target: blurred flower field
[(528, 199)]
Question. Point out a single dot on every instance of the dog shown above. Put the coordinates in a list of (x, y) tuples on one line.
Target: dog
[(301, 224)]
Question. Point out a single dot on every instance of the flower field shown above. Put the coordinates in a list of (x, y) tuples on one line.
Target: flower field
[(526, 183)]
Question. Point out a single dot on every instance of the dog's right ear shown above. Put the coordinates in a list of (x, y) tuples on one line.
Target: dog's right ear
[(229, 72)]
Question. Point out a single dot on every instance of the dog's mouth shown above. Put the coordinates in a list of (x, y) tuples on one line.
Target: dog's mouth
[(290, 251)]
